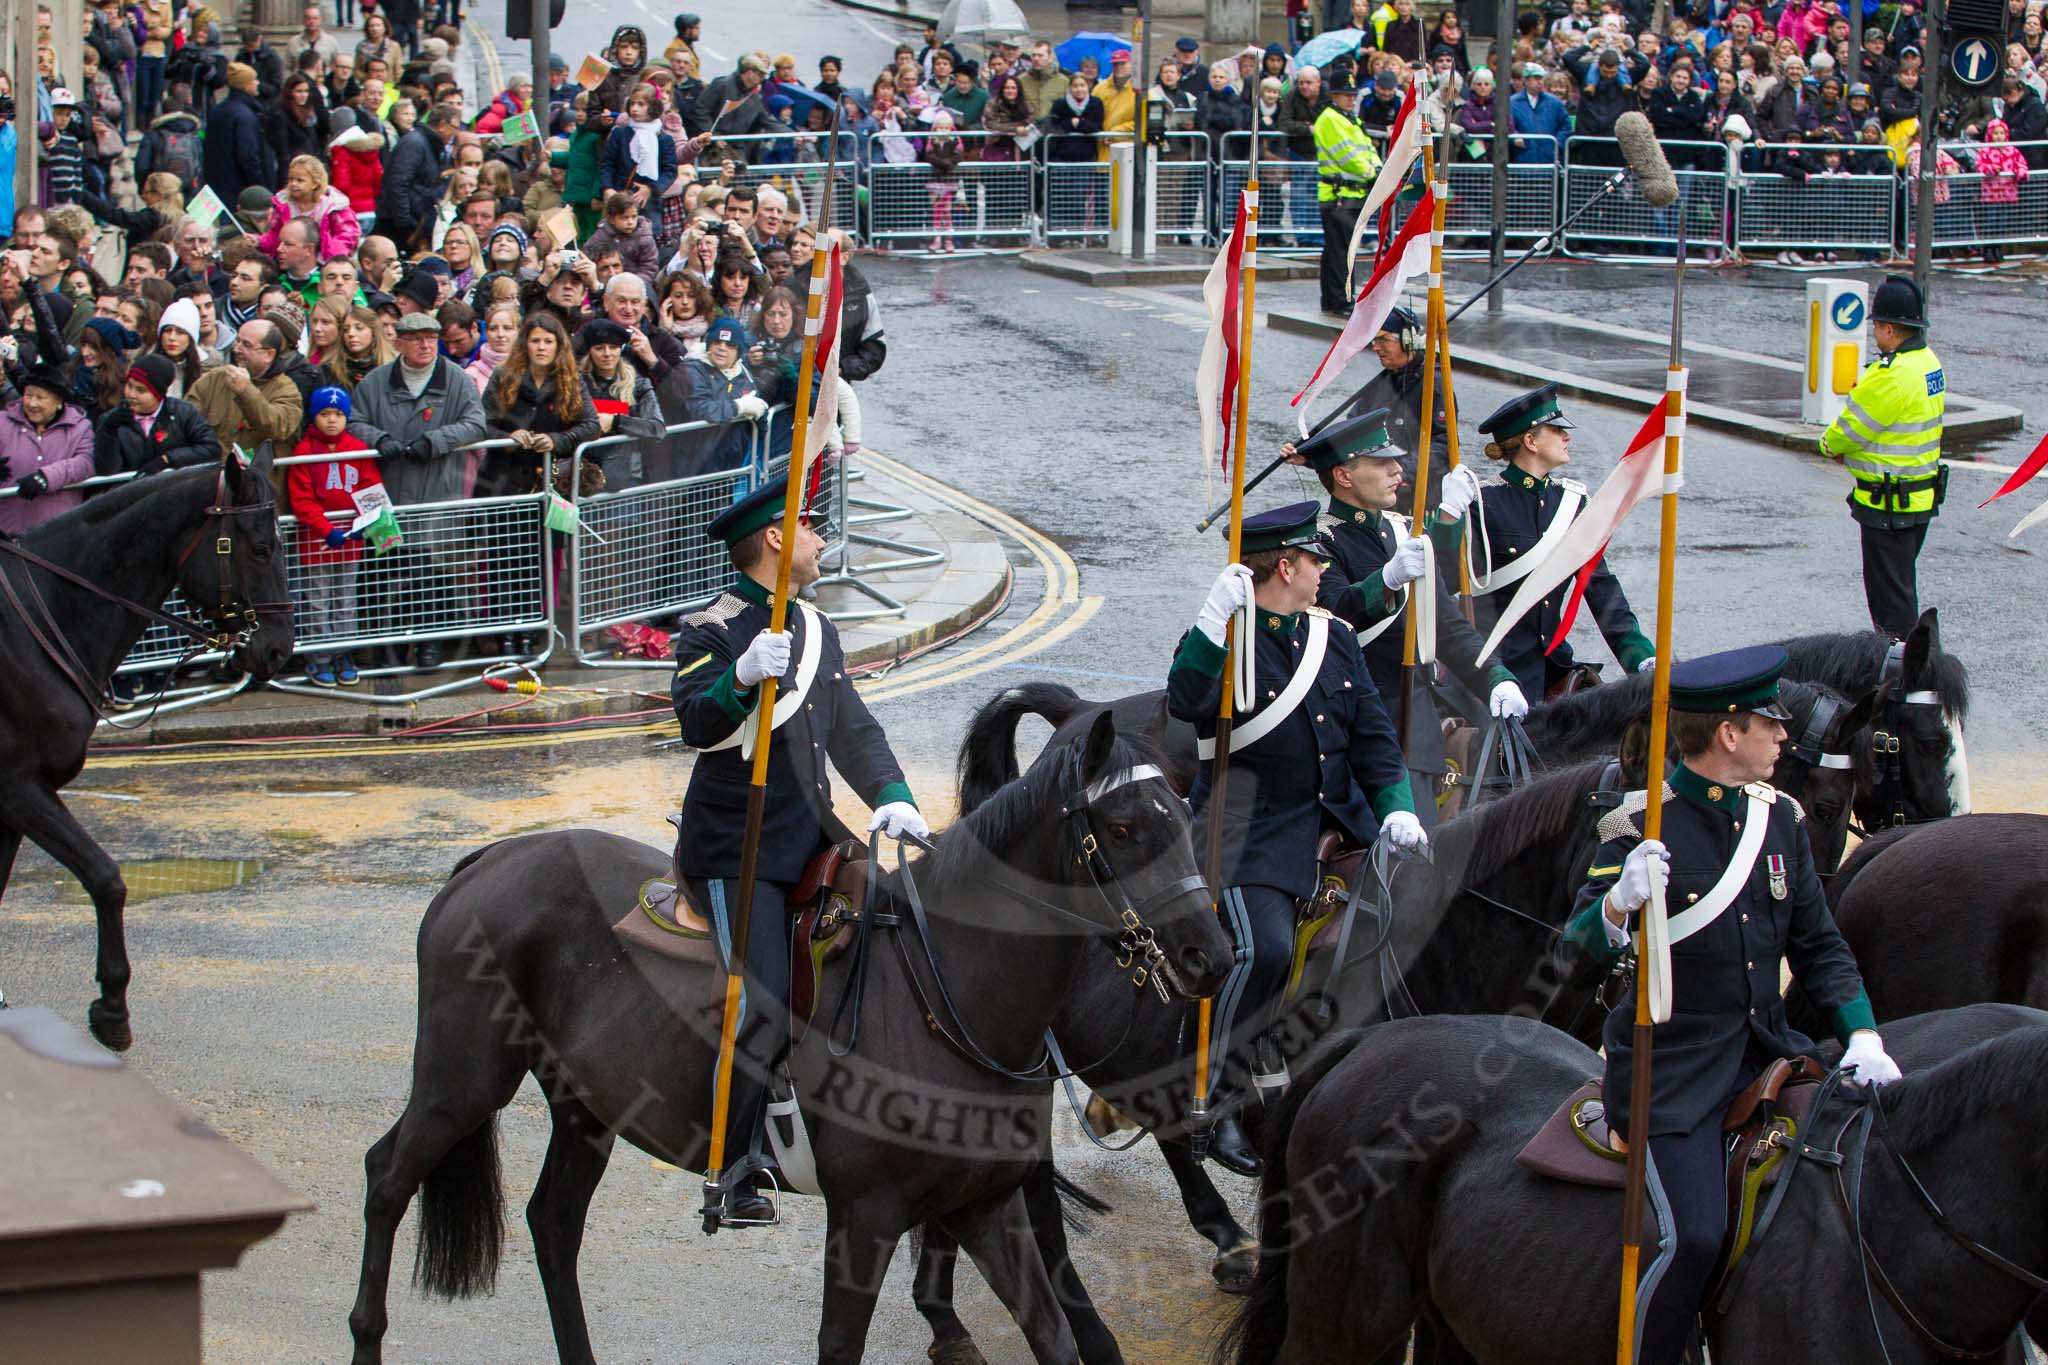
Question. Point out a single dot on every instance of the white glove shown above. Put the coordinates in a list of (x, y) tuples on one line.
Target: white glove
[(1506, 701), (1405, 565), (898, 820), (750, 406), (1865, 1059), (1231, 590), (1460, 490), (1648, 665), (766, 657), (1648, 864), (1403, 830)]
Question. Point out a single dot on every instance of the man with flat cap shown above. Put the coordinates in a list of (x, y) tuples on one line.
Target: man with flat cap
[(1889, 436), (723, 653), (1311, 749), (1737, 875), (1376, 568), (1522, 514)]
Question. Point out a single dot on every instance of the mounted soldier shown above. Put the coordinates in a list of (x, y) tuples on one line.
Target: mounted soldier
[(1311, 750), (1376, 568), (1736, 871), (723, 653), (1523, 514)]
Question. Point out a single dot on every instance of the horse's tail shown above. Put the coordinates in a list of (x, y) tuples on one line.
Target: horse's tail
[(1076, 1204), (988, 756), (462, 1218), (1838, 885), (1258, 1329)]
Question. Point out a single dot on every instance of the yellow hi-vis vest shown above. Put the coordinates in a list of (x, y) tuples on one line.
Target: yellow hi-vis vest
[(1346, 160), (1889, 436)]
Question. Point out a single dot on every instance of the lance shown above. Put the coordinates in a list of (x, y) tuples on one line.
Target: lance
[(764, 709), (1649, 940), (1198, 1106), (1429, 364), (1440, 327)]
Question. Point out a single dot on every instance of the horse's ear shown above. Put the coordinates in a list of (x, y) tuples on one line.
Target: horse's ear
[(232, 471), (1859, 714), (1635, 756), (1923, 642), (1101, 740)]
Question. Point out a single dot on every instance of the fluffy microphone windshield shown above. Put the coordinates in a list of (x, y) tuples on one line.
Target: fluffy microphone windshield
[(1640, 150)]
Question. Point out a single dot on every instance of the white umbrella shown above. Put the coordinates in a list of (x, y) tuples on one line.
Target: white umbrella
[(982, 20)]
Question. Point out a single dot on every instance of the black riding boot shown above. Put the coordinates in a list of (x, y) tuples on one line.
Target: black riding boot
[(1232, 1150)]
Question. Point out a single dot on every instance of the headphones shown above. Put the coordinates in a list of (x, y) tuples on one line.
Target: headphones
[(1406, 329)]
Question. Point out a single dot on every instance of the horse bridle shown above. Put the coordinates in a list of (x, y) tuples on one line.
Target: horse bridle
[(1136, 943), (1887, 748), (234, 620)]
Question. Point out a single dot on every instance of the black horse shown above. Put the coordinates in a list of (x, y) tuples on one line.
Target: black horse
[(1392, 1197), (1825, 765), (78, 592), (520, 972), (1945, 916), (1476, 931), (1915, 769)]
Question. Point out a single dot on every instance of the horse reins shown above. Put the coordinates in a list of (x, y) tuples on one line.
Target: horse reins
[(1887, 749), (233, 619)]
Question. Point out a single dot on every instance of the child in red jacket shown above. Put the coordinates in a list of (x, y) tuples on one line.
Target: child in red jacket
[(355, 162), (323, 499)]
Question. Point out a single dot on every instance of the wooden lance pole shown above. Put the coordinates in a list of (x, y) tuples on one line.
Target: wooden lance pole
[(1440, 328), (764, 708), (1198, 1107), (1653, 817), (1429, 368)]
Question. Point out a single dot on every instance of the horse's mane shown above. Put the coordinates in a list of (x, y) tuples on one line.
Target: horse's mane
[(1924, 1105), (1022, 805), (98, 512), (1853, 663), (1594, 719), (1478, 844)]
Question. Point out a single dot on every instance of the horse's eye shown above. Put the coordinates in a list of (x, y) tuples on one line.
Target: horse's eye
[(1120, 832), (1827, 813)]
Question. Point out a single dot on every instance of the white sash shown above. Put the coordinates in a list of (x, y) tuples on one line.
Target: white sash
[(788, 701), (1282, 706), (1708, 908), (1425, 611), (1574, 497)]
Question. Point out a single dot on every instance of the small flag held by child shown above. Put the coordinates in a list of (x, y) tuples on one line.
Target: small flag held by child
[(520, 128)]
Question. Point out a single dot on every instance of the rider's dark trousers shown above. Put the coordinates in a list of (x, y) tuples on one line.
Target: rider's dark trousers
[(762, 1035), (1261, 923), (1690, 1169)]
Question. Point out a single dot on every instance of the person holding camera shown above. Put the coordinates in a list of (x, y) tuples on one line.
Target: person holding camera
[(563, 288)]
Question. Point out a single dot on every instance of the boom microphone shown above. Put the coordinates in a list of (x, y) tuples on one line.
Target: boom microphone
[(1640, 150)]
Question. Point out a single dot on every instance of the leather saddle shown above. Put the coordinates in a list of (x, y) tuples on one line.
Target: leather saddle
[(827, 902), (1575, 1146), (1319, 919)]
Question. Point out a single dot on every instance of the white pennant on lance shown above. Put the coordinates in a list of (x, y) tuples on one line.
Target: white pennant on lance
[(1404, 145), (1405, 258), (825, 408), (1216, 378)]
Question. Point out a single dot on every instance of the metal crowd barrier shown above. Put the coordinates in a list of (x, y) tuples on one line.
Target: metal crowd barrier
[(1287, 191), (990, 200), (1077, 193), (1622, 224), (1829, 212), (1532, 205), (802, 181), (2014, 214), (1180, 186)]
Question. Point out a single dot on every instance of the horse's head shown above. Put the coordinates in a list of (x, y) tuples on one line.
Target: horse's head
[(1820, 762), (232, 571), (1132, 839), (1916, 751)]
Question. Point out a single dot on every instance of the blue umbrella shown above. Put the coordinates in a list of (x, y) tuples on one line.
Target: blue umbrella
[(1319, 50), (1096, 45), (802, 96)]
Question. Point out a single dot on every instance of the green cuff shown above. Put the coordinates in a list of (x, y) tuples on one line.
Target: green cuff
[(1447, 536), (1586, 933), (1199, 652), (1387, 800), (1380, 600), (731, 700), (894, 791), (1633, 649), (1855, 1015), (1497, 675)]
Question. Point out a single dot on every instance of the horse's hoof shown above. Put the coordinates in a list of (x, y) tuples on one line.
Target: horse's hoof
[(1233, 1269), (110, 1028), (956, 1351)]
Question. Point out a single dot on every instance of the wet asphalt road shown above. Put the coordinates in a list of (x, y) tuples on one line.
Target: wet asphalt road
[(281, 1009)]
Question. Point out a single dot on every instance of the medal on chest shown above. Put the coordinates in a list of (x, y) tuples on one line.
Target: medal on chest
[(1775, 864)]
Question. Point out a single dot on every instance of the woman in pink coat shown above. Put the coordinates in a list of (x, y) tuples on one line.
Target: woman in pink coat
[(2001, 170), (45, 447), (306, 194)]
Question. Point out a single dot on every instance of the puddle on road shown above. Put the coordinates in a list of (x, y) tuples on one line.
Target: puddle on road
[(153, 877)]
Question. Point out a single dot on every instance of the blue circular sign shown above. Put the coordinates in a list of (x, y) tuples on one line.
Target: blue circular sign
[(1974, 61), (1848, 312)]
